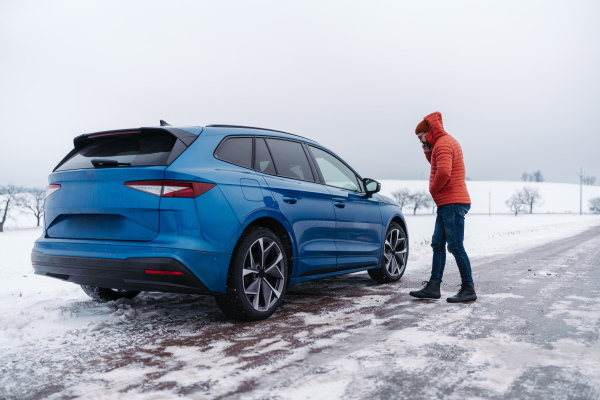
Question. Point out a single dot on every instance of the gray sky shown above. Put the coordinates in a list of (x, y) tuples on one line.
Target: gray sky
[(517, 82)]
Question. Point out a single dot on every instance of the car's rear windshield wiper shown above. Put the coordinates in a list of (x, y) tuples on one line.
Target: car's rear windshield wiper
[(103, 162)]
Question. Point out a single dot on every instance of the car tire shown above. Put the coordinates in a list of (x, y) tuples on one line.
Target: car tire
[(395, 256), (105, 295), (257, 277)]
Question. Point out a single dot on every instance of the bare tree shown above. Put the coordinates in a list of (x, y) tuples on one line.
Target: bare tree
[(595, 205), (526, 177), (32, 201), (538, 177), (420, 199), (515, 203), (402, 197), (8, 199), (530, 196), (589, 180)]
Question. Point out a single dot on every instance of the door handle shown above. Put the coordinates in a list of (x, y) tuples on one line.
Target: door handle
[(290, 200), (339, 204)]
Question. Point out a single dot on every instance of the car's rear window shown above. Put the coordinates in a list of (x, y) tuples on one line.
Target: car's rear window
[(135, 149), (237, 150)]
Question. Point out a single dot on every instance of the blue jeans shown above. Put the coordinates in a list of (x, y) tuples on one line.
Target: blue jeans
[(450, 228)]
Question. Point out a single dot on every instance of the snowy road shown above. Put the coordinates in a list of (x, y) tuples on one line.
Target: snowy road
[(533, 333)]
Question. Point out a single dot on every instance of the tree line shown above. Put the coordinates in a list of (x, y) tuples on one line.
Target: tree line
[(537, 176), (522, 200), (589, 180), (20, 199), (31, 201)]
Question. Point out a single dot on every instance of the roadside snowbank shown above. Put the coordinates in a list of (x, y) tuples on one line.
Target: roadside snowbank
[(498, 234)]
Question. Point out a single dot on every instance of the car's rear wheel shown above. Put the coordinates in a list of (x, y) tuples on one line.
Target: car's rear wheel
[(395, 256), (104, 295), (257, 277)]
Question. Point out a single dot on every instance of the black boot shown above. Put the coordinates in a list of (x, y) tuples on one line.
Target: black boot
[(430, 291), (466, 293)]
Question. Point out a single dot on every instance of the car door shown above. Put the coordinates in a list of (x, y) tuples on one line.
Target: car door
[(303, 202), (358, 227)]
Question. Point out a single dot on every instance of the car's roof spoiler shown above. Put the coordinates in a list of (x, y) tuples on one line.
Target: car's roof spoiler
[(186, 137)]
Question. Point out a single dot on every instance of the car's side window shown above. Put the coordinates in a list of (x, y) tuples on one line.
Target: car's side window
[(290, 159), (335, 173), (236, 150), (262, 159)]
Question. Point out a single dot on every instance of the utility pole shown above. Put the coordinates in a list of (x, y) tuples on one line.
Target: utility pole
[(580, 190), (490, 204)]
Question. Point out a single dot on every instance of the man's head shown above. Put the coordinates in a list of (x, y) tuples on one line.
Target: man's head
[(422, 130)]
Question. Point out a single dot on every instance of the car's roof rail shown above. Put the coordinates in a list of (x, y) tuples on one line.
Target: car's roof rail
[(254, 127)]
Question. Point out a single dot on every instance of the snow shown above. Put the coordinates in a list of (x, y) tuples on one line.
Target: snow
[(35, 307), (556, 197), (498, 234), (41, 311)]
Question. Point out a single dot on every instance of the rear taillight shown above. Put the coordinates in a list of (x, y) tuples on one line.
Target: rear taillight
[(150, 187), (162, 188), (51, 189)]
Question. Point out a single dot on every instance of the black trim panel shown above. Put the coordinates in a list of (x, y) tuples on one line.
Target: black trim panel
[(186, 137), (328, 270), (125, 274)]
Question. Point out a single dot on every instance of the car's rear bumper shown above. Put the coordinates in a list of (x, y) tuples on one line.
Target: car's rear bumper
[(125, 267), (166, 274)]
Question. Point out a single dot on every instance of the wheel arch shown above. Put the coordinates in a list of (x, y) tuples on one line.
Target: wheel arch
[(278, 226), (399, 219)]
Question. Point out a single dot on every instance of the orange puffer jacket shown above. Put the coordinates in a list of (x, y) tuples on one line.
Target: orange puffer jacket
[(447, 179)]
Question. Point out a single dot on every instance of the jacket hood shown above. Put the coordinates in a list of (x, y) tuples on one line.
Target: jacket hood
[(436, 127)]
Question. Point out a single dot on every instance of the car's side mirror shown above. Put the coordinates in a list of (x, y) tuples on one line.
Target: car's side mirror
[(371, 186)]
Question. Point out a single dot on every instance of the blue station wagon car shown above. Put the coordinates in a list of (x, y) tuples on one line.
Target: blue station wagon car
[(237, 212)]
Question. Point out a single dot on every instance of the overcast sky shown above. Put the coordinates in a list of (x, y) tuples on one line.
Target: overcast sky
[(517, 82)]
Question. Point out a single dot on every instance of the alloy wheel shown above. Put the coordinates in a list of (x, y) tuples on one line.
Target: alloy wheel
[(263, 274), (395, 252)]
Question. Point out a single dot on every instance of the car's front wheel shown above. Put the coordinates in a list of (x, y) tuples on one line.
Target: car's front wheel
[(257, 277), (105, 295), (395, 256)]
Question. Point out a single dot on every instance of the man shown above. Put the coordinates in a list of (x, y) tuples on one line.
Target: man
[(449, 191)]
